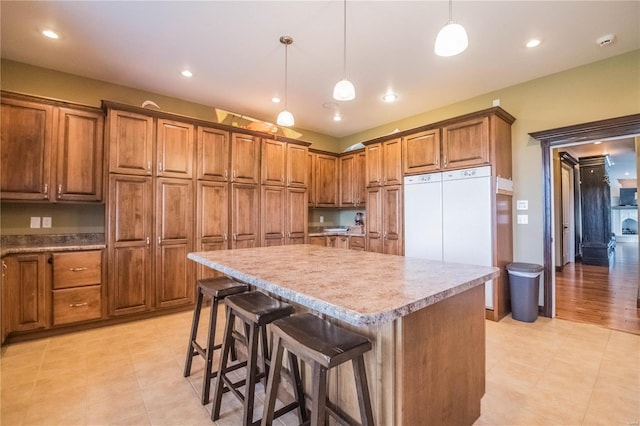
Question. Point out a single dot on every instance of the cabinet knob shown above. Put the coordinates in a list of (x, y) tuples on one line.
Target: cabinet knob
[(59, 190), (46, 189), (445, 161), (159, 167), (148, 241), (225, 237), (225, 173), (159, 240), (148, 167), (234, 236)]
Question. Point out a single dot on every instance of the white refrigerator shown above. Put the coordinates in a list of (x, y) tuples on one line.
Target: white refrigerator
[(448, 218)]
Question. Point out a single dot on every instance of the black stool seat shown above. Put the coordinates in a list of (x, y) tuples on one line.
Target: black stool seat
[(256, 310), (215, 289), (324, 346), (321, 341)]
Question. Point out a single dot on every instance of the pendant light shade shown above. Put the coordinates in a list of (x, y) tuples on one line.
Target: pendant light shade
[(285, 118), (452, 38), (344, 89)]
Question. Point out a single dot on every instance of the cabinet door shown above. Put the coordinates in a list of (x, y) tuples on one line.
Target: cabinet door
[(318, 241), (360, 179), (130, 143), (347, 180), (79, 163), (392, 162), (174, 279), (174, 149), (274, 162), (297, 163), (26, 301), (27, 131), (213, 221), (245, 158), (130, 216), (213, 154), (311, 178), (466, 144), (245, 216), (373, 154), (392, 219), (297, 215), (273, 216), (326, 180), (421, 152), (374, 222)]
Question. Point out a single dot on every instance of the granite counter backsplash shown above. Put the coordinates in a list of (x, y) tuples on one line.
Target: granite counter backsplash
[(13, 244)]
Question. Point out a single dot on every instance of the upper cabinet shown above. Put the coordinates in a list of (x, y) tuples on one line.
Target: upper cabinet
[(131, 139), (352, 180), (421, 152), (326, 180), (213, 148), (245, 158), (50, 152), (466, 144), (384, 163), (297, 175), (274, 162)]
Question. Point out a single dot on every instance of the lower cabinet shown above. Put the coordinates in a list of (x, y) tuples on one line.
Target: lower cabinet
[(24, 285), (318, 241), (338, 241), (357, 242)]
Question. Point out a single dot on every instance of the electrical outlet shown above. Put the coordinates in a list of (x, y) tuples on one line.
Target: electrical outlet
[(46, 222), (523, 219), (35, 222)]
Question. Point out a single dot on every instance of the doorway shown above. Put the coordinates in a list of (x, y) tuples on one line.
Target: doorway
[(598, 130)]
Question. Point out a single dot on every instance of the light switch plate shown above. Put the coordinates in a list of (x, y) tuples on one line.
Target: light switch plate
[(46, 222), (523, 219), (35, 222)]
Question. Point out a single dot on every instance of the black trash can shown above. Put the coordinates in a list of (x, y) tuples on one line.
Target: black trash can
[(524, 284)]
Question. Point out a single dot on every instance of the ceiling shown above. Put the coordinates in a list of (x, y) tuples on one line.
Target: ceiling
[(622, 155), (233, 50)]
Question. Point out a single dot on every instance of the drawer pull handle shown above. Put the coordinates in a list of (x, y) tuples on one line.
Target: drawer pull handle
[(78, 305), (78, 269)]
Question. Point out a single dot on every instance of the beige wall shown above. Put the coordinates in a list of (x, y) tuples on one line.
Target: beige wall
[(596, 91)]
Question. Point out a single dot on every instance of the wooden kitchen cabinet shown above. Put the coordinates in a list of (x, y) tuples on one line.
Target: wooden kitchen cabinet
[(384, 163), (174, 273), (352, 180), (357, 242), (245, 158), (284, 216), (297, 216), (131, 143), (212, 216), (421, 152), (274, 162), (213, 149), (245, 216), (26, 301), (311, 178), (174, 149), (338, 241), (297, 174), (326, 180), (50, 152), (77, 291), (130, 230), (384, 222), (466, 144)]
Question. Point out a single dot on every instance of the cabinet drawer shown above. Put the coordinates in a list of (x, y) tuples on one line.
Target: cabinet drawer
[(77, 269), (76, 304), (356, 243)]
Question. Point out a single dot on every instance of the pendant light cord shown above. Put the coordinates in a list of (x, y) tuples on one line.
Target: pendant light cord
[(344, 59), (286, 67), (450, 10)]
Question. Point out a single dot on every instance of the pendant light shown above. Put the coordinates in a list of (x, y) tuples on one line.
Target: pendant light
[(344, 90), (285, 118), (452, 38)]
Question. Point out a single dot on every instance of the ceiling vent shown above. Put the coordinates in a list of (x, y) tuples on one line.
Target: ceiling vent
[(606, 40)]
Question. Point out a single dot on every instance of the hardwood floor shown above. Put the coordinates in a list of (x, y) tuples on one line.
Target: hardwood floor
[(601, 295)]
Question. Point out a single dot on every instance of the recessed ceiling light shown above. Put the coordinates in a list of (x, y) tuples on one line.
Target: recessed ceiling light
[(626, 173), (187, 73), (390, 97), (275, 100), (534, 42), (50, 34), (337, 117)]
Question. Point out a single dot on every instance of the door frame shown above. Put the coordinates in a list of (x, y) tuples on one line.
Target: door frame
[(570, 162), (591, 131)]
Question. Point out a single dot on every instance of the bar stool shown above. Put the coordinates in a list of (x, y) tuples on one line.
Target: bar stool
[(324, 346), (215, 289), (256, 310)]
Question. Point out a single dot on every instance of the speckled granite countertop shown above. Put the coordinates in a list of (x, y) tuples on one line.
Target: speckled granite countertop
[(357, 287), (16, 244)]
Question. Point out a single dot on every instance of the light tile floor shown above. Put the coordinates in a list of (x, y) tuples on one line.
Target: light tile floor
[(551, 372)]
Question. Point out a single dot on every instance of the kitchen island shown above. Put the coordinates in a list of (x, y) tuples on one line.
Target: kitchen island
[(425, 319)]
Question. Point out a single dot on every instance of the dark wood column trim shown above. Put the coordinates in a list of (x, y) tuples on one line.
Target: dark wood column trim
[(595, 130)]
